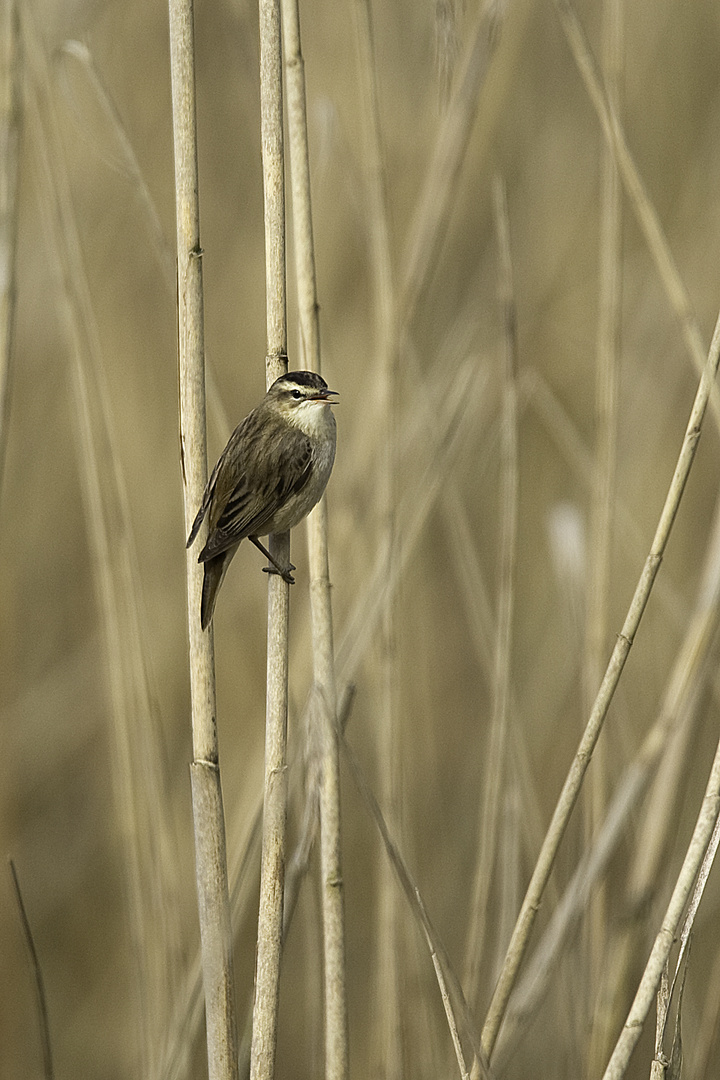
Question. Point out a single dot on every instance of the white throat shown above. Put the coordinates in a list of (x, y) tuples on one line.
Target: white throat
[(314, 418)]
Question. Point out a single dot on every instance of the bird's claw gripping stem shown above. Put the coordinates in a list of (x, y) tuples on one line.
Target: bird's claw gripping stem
[(285, 574)]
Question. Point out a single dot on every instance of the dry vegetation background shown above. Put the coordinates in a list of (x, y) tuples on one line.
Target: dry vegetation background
[(94, 790)]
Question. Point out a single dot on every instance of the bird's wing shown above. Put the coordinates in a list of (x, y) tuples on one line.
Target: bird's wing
[(249, 490), (207, 496)]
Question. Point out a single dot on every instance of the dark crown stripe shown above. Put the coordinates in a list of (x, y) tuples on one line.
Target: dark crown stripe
[(303, 378)]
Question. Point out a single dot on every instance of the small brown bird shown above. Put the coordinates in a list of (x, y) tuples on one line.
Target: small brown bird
[(270, 475)]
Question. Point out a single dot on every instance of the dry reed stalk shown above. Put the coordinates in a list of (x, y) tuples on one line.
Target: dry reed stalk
[(697, 861), (658, 1066), (325, 712), (640, 201), (272, 870), (496, 771), (384, 379), (573, 782), (10, 126), (149, 846), (686, 932), (603, 489), (210, 851)]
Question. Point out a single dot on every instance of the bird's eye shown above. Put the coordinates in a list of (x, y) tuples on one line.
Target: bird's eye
[(296, 394)]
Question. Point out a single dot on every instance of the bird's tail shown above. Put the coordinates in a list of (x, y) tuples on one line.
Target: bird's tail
[(215, 569)]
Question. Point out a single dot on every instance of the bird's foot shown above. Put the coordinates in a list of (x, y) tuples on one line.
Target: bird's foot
[(285, 573), (274, 567)]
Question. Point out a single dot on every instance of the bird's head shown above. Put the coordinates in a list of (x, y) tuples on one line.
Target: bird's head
[(300, 398)]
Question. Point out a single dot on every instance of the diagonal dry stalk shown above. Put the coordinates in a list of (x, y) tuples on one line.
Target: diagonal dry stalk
[(10, 125), (683, 693), (701, 881), (272, 870), (210, 850), (665, 753), (324, 714), (699, 851), (573, 782)]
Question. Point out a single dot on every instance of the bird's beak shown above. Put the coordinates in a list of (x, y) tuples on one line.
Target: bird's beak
[(325, 395)]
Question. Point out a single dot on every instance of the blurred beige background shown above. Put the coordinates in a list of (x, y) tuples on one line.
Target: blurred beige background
[(61, 816)]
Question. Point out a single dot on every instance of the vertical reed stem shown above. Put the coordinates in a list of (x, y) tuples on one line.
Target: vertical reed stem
[(210, 854), (325, 712), (272, 872)]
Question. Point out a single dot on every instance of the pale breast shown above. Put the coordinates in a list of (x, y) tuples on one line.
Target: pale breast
[(298, 506)]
